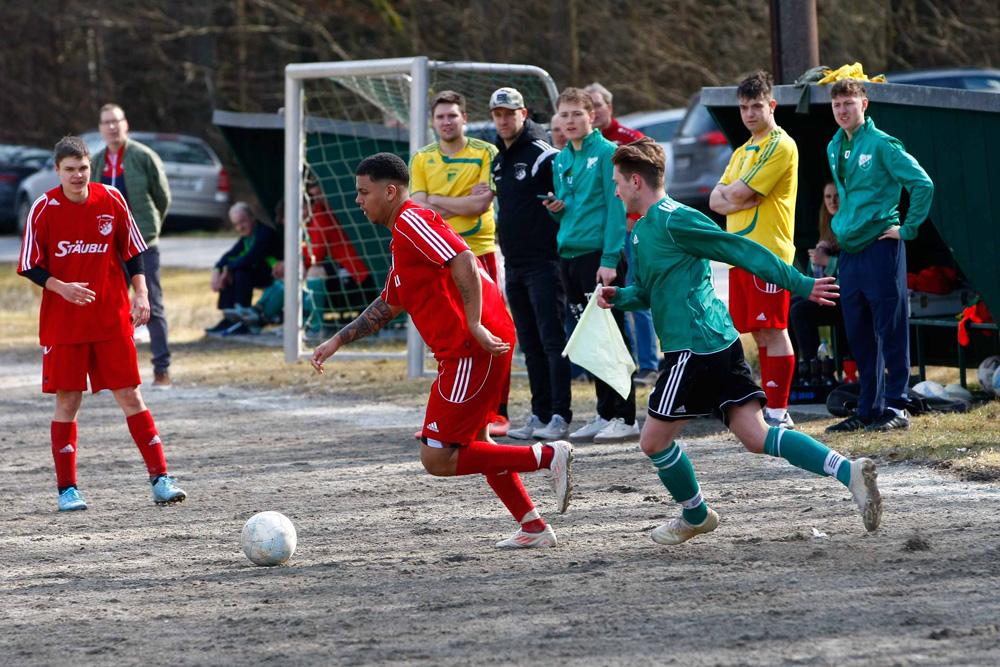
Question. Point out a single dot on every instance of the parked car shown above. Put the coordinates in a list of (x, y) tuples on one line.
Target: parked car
[(199, 186), (16, 164), (661, 127), (967, 78), (701, 154)]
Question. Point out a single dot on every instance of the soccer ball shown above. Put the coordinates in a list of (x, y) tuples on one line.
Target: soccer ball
[(929, 389), (996, 382), (268, 538), (958, 391), (987, 370)]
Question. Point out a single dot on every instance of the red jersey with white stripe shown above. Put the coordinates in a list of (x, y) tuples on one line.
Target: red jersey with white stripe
[(82, 243), (421, 283), (620, 135)]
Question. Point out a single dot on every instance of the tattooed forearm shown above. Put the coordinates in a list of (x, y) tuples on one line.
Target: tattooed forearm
[(466, 293), (376, 316)]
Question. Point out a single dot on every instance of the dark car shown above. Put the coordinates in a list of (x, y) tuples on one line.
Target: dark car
[(701, 154), (16, 163), (966, 78)]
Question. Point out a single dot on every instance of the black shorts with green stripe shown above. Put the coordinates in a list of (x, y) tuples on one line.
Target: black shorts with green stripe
[(698, 385)]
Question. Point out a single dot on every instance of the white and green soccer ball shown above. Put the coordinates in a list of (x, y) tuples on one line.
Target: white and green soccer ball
[(987, 370), (268, 538)]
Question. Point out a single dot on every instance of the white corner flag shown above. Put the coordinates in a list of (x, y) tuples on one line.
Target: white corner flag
[(597, 345)]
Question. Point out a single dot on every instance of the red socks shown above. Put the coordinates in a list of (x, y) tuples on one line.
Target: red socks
[(490, 459), (64, 453), (778, 382), (146, 438), (515, 498)]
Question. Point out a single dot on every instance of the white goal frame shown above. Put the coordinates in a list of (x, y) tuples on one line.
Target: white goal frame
[(418, 68)]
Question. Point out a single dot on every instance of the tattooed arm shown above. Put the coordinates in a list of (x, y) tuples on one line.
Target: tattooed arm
[(376, 316), (465, 273)]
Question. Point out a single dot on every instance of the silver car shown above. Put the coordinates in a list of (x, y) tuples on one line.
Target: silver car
[(659, 126), (199, 186)]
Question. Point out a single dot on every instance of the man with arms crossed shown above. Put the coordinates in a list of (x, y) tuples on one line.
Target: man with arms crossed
[(76, 237), (705, 370), (137, 172), (454, 178), (757, 196), (461, 315), (591, 235), (869, 168), (522, 171)]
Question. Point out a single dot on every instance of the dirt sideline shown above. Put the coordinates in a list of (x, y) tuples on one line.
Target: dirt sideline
[(395, 567)]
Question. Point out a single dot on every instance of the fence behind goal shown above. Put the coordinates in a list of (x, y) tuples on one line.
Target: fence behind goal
[(336, 114)]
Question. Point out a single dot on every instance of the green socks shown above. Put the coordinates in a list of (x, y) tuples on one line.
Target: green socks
[(675, 471), (803, 452)]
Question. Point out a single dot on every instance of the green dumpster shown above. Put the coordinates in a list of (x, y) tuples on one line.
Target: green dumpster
[(955, 134)]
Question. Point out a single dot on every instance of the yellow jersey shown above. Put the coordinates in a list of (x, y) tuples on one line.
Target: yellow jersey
[(770, 168), (435, 173)]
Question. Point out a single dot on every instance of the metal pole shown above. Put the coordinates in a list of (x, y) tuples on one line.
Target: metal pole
[(293, 217), (794, 39), (418, 139)]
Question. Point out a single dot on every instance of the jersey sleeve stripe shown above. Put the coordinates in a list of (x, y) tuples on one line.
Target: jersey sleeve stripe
[(432, 238), (768, 151), (29, 246), (133, 229)]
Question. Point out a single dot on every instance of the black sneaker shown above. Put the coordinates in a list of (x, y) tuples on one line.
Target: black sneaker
[(220, 327), (852, 423), (889, 421)]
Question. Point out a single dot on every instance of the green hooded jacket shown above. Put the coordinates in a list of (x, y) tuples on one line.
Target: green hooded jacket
[(146, 187), (593, 218), (877, 169)]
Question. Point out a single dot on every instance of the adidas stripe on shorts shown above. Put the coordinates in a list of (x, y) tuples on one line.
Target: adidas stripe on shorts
[(464, 398), (696, 385), (755, 304)]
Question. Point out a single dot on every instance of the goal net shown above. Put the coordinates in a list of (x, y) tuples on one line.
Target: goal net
[(336, 114)]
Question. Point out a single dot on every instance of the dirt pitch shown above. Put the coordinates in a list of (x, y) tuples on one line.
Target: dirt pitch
[(395, 567)]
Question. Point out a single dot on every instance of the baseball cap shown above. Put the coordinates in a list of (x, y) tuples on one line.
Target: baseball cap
[(506, 98)]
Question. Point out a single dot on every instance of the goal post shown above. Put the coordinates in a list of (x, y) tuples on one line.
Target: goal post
[(335, 115)]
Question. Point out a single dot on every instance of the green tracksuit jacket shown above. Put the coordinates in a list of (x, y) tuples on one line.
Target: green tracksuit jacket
[(593, 219), (671, 249), (877, 168)]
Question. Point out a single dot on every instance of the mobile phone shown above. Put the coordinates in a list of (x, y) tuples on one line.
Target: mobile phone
[(549, 197)]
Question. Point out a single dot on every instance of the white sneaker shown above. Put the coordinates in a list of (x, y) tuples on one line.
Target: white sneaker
[(617, 431), (562, 471), (778, 418), (587, 433), (556, 429), (679, 530), (523, 540), (141, 334), (527, 431), (865, 492)]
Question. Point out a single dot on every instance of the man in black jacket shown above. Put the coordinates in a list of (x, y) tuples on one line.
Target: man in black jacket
[(522, 171)]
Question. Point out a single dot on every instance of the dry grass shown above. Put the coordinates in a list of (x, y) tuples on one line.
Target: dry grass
[(966, 443)]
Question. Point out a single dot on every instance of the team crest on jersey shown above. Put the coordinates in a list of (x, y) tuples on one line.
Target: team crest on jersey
[(635, 239), (520, 170), (865, 161), (105, 223), (591, 161)]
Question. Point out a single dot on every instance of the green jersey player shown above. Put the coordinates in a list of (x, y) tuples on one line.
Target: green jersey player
[(705, 370)]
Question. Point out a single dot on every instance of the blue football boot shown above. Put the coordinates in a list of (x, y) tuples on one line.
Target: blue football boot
[(71, 500), (165, 493)]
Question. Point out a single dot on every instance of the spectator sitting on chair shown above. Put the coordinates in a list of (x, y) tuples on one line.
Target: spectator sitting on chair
[(248, 264), (805, 316)]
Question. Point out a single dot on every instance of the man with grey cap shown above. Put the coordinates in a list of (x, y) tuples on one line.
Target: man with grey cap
[(522, 171)]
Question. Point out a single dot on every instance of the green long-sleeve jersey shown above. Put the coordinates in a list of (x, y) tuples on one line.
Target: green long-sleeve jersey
[(594, 218), (671, 249)]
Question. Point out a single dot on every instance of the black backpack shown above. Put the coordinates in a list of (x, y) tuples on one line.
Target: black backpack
[(843, 400)]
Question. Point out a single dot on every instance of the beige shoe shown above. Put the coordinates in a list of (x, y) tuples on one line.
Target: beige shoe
[(679, 530), (864, 490), (162, 380)]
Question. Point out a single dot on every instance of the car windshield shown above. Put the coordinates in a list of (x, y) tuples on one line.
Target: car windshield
[(180, 152), (987, 83), (662, 132), (698, 122), (24, 156)]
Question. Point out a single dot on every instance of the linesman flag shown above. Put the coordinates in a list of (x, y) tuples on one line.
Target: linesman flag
[(597, 345)]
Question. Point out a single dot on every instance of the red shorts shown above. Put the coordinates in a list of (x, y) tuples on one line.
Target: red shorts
[(755, 304), (111, 364), (464, 398)]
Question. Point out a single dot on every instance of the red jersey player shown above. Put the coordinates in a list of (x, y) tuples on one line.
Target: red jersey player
[(460, 312), (75, 240)]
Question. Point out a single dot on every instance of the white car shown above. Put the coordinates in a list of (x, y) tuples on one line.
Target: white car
[(199, 186), (659, 126)]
